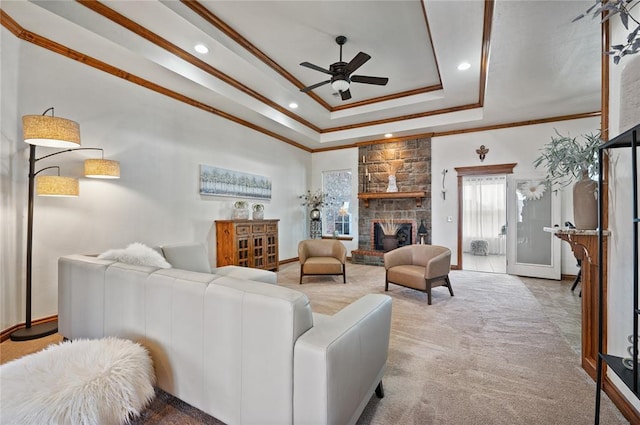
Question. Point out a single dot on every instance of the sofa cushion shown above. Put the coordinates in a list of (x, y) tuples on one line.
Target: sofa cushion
[(188, 256)]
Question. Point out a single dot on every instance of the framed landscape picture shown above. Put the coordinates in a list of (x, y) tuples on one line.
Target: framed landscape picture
[(216, 181)]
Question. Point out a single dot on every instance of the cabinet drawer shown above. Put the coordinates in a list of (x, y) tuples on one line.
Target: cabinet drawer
[(243, 229), (272, 227), (258, 228)]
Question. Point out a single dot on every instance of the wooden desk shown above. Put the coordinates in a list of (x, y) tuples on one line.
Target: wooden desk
[(584, 244)]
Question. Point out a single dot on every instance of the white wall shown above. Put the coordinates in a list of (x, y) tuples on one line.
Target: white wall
[(343, 159), (11, 200), (160, 144), (509, 145), (620, 267)]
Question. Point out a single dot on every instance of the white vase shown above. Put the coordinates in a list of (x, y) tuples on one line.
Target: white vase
[(392, 184), (240, 214)]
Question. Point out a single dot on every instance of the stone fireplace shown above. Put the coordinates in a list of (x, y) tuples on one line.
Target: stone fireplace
[(410, 206)]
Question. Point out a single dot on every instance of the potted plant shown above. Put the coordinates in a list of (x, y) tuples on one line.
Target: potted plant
[(567, 160), (315, 201), (390, 231)]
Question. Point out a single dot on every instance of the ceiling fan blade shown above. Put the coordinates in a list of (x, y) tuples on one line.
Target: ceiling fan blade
[(322, 83), (316, 67), (380, 81), (357, 62), (345, 95)]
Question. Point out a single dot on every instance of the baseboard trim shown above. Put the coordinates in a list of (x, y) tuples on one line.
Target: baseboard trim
[(6, 333), (289, 260), (627, 410)]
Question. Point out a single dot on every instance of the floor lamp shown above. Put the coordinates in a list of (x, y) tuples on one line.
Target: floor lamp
[(50, 131)]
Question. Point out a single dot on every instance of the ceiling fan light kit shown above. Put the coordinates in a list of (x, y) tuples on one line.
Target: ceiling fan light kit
[(340, 72), (340, 85)]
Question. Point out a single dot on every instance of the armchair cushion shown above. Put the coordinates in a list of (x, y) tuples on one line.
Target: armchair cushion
[(410, 275), (323, 265)]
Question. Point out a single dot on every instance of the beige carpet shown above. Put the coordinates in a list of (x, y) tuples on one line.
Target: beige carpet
[(489, 355)]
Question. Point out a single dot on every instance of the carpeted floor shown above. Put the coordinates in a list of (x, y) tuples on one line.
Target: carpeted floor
[(489, 355)]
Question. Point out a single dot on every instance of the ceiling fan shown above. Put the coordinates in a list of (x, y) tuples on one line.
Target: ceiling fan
[(340, 72)]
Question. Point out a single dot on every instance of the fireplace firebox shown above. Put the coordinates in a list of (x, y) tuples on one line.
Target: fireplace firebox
[(405, 234)]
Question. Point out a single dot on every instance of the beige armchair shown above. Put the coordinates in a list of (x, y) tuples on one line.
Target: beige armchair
[(420, 267), (322, 257)]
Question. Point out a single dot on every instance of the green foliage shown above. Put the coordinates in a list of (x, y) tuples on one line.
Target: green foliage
[(318, 199), (566, 159), (621, 8)]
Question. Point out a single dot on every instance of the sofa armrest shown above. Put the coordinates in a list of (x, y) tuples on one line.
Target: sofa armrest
[(339, 362)]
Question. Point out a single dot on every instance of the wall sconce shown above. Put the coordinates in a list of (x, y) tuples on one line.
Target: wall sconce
[(482, 152), (444, 188), (50, 131)]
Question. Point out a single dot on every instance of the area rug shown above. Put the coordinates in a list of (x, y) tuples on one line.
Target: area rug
[(488, 356)]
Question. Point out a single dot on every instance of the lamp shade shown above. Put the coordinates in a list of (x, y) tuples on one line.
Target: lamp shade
[(340, 85), (43, 130), (102, 169), (57, 186)]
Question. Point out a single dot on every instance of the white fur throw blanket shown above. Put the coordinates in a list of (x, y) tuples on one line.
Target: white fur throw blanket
[(138, 254), (104, 381)]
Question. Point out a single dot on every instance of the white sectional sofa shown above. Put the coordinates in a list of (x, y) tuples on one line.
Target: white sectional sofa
[(244, 351)]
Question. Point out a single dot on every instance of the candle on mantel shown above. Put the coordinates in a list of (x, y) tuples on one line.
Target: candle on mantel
[(363, 161)]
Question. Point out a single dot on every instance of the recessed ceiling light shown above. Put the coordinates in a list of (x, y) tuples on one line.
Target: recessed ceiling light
[(201, 48), (293, 105), (464, 66), (388, 135)]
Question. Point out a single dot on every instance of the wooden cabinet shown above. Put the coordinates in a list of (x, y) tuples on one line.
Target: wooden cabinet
[(247, 243)]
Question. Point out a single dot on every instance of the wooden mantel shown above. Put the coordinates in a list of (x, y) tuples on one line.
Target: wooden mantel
[(366, 196)]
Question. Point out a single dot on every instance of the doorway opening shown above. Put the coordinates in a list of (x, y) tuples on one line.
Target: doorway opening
[(480, 171), (484, 223)]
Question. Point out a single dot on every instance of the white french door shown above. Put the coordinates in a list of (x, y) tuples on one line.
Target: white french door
[(531, 206)]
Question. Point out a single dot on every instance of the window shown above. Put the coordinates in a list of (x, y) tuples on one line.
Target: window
[(337, 217)]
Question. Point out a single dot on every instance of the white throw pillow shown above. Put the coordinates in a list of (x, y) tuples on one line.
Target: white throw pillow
[(138, 254)]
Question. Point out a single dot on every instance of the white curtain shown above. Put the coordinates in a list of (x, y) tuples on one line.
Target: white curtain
[(484, 212)]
